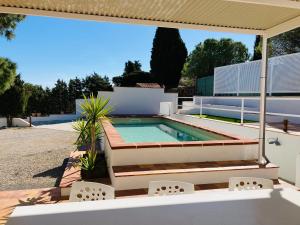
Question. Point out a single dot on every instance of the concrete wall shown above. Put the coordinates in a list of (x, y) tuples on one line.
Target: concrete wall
[(284, 155), (127, 100), (53, 117), (18, 122), (3, 122)]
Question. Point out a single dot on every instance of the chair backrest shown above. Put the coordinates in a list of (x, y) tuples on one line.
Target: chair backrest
[(163, 187), (249, 183), (90, 191)]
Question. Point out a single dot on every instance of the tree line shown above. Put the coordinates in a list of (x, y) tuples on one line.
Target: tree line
[(23, 99), (169, 63)]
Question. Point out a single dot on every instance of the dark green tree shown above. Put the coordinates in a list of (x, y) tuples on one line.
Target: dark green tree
[(14, 101), (7, 74), (94, 83), (75, 89), (8, 24), (167, 56), (59, 97), (213, 53), (132, 78), (36, 99), (132, 67), (286, 43), (257, 48)]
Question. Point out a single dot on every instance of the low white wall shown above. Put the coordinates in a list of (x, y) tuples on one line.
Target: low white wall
[(53, 117), (284, 155), (3, 122), (131, 100), (298, 171), (18, 122), (287, 105)]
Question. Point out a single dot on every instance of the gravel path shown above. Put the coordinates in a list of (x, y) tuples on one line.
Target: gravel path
[(33, 157)]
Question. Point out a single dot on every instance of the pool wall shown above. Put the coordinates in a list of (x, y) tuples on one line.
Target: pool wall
[(120, 153)]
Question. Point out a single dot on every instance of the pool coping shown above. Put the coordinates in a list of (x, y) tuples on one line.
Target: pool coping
[(117, 143)]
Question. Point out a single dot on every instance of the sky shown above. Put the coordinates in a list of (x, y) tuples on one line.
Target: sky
[(46, 49)]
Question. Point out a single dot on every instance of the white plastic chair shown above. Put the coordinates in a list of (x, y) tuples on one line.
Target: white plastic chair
[(249, 183), (157, 188), (90, 191)]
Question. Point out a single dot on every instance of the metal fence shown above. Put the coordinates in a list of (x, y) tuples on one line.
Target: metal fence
[(244, 78)]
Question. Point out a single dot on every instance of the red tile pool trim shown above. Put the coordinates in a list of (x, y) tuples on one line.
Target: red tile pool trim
[(117, 143)]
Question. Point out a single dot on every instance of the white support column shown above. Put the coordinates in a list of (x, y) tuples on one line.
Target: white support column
[(201, 106), (242, 110), (263, 94)]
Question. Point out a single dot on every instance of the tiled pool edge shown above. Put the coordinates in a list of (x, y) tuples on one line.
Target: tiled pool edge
[(117, 143)]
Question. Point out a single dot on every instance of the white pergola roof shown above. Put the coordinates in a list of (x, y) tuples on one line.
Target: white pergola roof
[(264, 17)]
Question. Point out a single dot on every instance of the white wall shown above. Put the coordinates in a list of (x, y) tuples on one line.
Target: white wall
[(18, 122), (287, 105), (53, 117), (284, 155), (3, 122), (131, 100)]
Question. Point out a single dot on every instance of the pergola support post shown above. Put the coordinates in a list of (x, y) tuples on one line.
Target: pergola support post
[(262, 159)]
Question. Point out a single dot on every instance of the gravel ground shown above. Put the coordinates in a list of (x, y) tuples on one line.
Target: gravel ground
[(33, 157)]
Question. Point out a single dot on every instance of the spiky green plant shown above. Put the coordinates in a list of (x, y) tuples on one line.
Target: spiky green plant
[(88, 162), (84, 131), (94, 109)]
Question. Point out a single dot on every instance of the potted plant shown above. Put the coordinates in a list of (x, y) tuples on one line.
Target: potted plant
[(94, 110)]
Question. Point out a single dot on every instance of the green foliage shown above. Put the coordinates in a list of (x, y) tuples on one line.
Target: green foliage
[(286, 43), (88, 162), (8, 24), (84, 131), (94, 109), (14, 100), (213, 53), (59, 97), (257, 48), (37, 99), (130, 67), (167, 57), (94, 83), (7, 74), (131, 79)]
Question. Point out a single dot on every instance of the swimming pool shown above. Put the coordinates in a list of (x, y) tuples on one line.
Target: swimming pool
[(48, 122), (161, 141), (161, 130)]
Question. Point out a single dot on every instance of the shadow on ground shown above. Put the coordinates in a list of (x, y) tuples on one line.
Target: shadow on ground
[(56, 172)]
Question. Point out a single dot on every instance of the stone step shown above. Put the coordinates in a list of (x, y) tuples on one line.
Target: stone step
[(139, 176)]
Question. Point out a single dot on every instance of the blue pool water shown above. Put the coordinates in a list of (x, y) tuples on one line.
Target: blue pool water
[(160, 130), (37, 123)]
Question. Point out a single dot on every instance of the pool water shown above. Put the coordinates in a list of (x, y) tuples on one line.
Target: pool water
[(48, 122), (161, 130)]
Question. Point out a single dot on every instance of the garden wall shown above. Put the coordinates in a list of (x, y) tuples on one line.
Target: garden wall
[(136, 101), (3, 122)]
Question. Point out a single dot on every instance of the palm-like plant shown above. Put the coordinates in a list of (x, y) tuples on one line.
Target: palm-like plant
[(94, 109), (84, 138)]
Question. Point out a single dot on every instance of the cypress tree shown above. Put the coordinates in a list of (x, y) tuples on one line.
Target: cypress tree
[(168, 57)]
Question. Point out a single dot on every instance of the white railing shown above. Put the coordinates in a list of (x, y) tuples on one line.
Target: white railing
[(240, 109)]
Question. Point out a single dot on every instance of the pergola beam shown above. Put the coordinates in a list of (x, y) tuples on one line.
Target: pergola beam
[(79, 16), (277, 3), (283, 27)]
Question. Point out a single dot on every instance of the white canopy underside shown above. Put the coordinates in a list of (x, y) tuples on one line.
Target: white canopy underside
[(265, 17)]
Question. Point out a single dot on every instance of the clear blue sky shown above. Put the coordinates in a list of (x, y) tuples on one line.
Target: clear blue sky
[(46, 49)]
